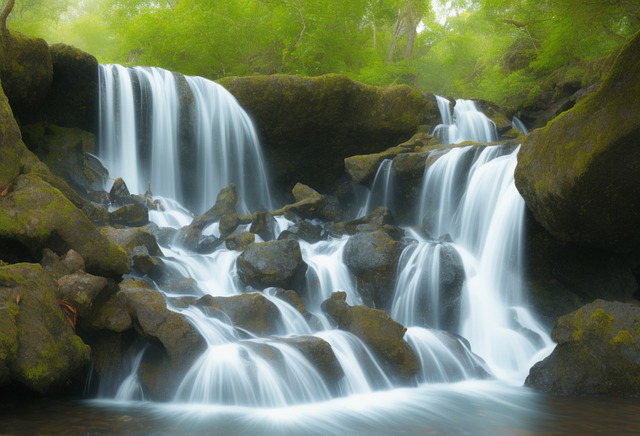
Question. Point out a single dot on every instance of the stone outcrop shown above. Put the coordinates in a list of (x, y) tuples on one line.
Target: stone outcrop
[(598, 352), (307, 123), (579, 174)]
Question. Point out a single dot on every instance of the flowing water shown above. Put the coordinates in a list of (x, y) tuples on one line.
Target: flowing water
[(461, 275)]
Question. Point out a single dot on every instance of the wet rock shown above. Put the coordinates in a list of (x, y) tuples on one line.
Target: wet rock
[(372, 258), (383, 335), (112, 315), (38, 346), (190, 236), (598, 352), (305, 231), (129, 238), (320, 354), (273, 263), (578, 175), (379, 219), (142, 261), (239, 241), (264, 225), (252, 312), (156, 323)]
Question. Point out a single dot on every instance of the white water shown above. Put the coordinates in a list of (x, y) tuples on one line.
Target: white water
[(467, 194), (185, 137), (466, 124)]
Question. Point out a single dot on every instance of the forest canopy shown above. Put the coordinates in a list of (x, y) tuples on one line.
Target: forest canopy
[(500, 50)]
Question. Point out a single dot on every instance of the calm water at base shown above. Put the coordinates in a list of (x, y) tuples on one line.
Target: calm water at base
[(468, 408)]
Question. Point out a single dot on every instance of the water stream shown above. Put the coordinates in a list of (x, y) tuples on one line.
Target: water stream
[(458, 290)]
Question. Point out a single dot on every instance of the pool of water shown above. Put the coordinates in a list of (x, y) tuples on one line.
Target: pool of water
[(469, 408)]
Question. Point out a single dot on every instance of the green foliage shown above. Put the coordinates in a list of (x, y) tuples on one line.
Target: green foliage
[(492, 49)]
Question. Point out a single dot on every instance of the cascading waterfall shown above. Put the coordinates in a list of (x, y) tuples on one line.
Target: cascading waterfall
[(141, 129), (466, 124), (155, 123)]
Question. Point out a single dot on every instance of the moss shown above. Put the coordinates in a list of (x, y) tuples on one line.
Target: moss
[(623, 337)]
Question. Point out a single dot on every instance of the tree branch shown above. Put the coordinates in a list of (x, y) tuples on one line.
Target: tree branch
[(5, 14)]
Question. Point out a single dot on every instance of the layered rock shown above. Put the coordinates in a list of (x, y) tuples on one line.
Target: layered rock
[(598, 352), (579, 174)]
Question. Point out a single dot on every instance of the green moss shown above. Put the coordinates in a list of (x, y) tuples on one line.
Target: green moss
[(623, 337)]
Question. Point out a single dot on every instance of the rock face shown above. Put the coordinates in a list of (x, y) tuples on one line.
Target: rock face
[(598, 352), (273, 263), (38, 346), (579, 174), (375, 328), (310, 123)]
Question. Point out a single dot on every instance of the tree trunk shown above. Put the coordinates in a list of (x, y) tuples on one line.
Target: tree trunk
[(5, 14)]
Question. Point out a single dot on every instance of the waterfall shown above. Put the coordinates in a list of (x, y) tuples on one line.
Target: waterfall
[(184, 137), (466, 124), (188, 138)]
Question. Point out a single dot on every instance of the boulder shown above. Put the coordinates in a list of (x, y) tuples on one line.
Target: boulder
[(130, 238), (598, 352), (58, 266), (378, 331), (130, 215), (579, 174), (307, 123), (252, 312), (272, 264), (154, 321), (38, 346), (372, 257), (85, 292), (39, 216), (320, 354)]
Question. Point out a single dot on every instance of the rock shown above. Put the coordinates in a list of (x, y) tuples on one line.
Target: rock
[(372, 258), (598, 352), (226, 202), (154, 321), (130, 215), (320, 354), (316, 122), (84, 292), (239, 241), (119, 193), (26, 73), (252, 312), (38, 346), (142, 261), (112, 315), (39, 216), (378, 331), (579, 174), (561, 277), (264, 225), (64, 151), (59, 266), (73, 95), (273, 263), (305, 231), (380, 219), (130, 238)]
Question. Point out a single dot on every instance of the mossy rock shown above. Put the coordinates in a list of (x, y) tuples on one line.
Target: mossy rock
[(39, 216), (579, 174), (39, 344), (598, 352), (320, 354), (272, 264), (252, 312), (309, 125), (26, 72), (383, 335)]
